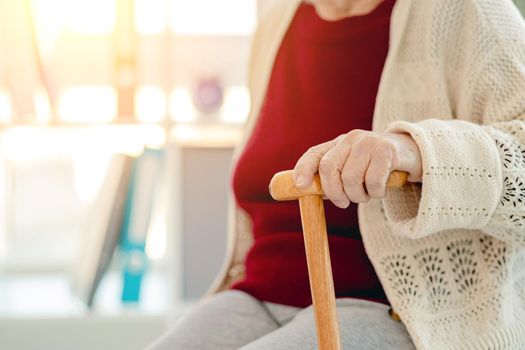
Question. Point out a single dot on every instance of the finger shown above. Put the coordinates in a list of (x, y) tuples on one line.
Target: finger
[(330, 173), (353, 174), (308, 164), (377, 173)]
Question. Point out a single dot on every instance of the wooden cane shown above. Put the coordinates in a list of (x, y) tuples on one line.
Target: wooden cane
[(317, 253)]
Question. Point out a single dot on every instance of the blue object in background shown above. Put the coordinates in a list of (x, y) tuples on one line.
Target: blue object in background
[(141, 196)]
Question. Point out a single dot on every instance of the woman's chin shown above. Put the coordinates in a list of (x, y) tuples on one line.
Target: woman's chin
[(329, 13)]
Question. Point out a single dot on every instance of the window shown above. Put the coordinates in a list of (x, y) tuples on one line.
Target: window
[(104, 76)]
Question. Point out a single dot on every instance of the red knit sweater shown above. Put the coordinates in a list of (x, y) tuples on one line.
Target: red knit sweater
[(323, 83)]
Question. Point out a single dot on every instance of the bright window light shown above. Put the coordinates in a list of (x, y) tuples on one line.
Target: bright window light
[(81, 16), (88, 104), (181, 105), (213, 17), (150, 16), (150, 104), (3, 213), (49, 23), (89, 171), (186, 133), (42, 106), (25, 144), (91, 17), (236, 104), (3, 247), (156, 238), (5, 106)]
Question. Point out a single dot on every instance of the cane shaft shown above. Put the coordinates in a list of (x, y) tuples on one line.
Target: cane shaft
[(320, 271)]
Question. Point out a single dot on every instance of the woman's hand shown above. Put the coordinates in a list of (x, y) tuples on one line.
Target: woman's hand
[(355, 166)]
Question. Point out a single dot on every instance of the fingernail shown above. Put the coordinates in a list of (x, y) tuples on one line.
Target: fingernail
[(300, 181)]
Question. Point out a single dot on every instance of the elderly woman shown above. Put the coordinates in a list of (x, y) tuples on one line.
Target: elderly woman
[(354, 89)]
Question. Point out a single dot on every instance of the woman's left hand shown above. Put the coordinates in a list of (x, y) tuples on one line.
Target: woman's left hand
[(355, 166)]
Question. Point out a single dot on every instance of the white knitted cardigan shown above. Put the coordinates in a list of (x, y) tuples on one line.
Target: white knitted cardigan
[(450, 252)]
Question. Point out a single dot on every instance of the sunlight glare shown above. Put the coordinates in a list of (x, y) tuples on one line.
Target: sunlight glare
[(93, 17), (25, 143), (236, 104), (150, 104), (150, 16), (88, 104), (5, 106), (181, 105), (90, 167), (49, 23), (213, 17), (157, 237), (42, 106), (90, 17)]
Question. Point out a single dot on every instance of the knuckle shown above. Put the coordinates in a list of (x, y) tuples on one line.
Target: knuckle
[(302, 163), (384, 147), (353, 186), (375, 184), (375, 189), (299, 165), (357, 132), (382, 143), (354, 134), (352, 179), (362, 145), (347, 137), (341, 138), (301, 168), (327, 165), (314, 151)]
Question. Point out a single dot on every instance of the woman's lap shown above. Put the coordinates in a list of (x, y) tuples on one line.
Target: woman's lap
[(234, 319), (226, 320), (363, 325)]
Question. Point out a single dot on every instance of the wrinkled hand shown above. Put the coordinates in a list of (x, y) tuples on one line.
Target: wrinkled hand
[(355, 166)]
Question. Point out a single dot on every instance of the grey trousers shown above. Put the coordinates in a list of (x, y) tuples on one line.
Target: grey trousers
[(235, 320)]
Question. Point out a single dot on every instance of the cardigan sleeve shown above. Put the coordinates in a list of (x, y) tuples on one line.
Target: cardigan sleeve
[(473, 173)]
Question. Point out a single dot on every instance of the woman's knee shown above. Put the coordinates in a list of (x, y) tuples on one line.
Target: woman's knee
[(225, 320)]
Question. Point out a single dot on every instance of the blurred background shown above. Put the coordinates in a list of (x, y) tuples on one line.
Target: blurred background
[(81, 81)]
